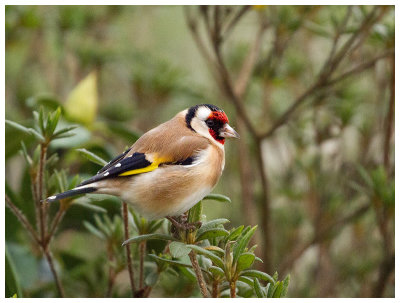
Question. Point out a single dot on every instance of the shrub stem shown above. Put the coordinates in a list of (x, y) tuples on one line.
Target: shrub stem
[(127, 247), (199, 274)]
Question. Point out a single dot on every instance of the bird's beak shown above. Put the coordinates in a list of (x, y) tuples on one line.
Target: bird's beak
[(228, 132)]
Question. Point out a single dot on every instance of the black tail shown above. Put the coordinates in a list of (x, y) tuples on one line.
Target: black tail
[(71, 193)]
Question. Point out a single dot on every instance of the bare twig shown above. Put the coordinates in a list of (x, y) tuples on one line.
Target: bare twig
[(215, 289), (199, 274), (386, 268), (21, 217), (359, 68), (232, 287), (128, 247), (389, 120), (49, 259), (229, 27), (39, 184), (322, 235), (246, 71), (142, 250), (57, 219)]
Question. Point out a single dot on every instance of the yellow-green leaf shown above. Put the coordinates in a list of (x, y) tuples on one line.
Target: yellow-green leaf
[(82, 102)]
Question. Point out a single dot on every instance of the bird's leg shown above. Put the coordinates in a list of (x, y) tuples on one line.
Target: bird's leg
[(181, 223)]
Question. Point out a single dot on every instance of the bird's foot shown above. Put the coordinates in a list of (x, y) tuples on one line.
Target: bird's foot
[(181, 223)]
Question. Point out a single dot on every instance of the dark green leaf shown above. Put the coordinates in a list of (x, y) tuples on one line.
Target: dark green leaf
[(178, 249), (246, 280), (92, 157), (12, 280), (93, 230), (90, 206), (212, 233), (216, 271), (152, 278), (218, 197), (141, 238), (285, 288), (195, 213), (260, 292), (215, 259), (245, 261), (171, 262), (211, 224), (235, 233), (154, 225), (29, 131), (278, 290), (257, 274), (242, 242)]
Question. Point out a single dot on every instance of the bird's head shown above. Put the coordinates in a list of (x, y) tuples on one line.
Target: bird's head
[(211, 122)]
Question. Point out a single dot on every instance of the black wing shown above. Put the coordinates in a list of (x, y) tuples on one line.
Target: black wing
[(118, 167)]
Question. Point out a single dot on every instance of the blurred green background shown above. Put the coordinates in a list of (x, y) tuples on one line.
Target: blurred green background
[(118, 71)]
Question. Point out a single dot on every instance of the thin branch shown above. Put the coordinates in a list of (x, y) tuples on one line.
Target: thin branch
[(57, 219), (39, 184), (246, 71), (232, 287), (49, 259), (322, 235), (128, 247), (360, 68), (142, 250), (389, 120), (215, 289), (229, 27), (199, 274), (21, 217)]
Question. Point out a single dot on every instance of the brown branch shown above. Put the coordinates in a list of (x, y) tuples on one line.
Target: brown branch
[(128, 247), (215, 289), (39, 184), (389, 120), (326, 72), (199, 274), (232, 287), (142, 250), (57, 219), (360, 68), (21, 217), (386, 268), (229, 27), (57, 280), (322, 235), (246, 71)]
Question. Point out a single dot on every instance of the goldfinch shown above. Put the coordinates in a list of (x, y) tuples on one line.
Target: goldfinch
[(168, 169)]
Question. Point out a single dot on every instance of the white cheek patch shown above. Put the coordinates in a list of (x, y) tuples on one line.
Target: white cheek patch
[(203, 113)]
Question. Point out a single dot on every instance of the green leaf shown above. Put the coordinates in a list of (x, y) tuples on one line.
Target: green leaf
[(171, 262), (92, 157), (152, 278), (217, 249), (211, 224), (147, 237), (217, 260), (26, 130), (154, 225), (278, 290), (82, 102), (242, 242), (216, 271), (12, 280), (195, 213), (257, 274), (212, 233), (246, 280), (178, 249), (260, 292), (285, 288), (64, 132), (52, 122), (93, 230), (235, 233), (245, 261), (218, 197), (90, 206)]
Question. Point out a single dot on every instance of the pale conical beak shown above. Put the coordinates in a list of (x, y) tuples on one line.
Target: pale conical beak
[(228, 132)]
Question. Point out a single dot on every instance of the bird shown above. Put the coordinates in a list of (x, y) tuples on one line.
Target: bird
[(168, 169)]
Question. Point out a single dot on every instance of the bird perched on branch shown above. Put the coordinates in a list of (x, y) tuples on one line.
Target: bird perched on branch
[(168, 169)]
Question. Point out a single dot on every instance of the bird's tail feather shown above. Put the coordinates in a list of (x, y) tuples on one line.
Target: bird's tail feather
[(73, 192)]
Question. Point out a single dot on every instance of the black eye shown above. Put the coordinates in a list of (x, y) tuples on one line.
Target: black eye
[(210, 123)]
